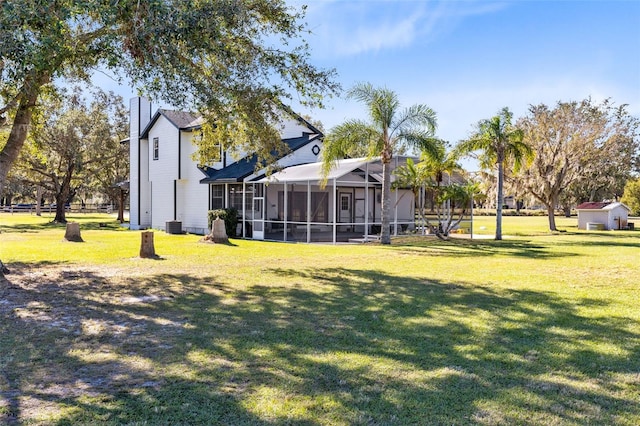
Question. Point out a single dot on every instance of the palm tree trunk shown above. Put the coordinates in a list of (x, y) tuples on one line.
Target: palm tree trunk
[(385, 236), (500, 200)]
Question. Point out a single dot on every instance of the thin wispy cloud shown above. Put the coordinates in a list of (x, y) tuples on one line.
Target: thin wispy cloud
[(381, 35), (341, 28)]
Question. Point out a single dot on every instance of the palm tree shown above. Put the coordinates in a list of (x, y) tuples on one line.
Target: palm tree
[(429, 175), (414, 177), (439, 162), (499, 142), (388, 127)]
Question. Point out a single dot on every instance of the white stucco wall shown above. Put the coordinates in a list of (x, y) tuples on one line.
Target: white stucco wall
[(404, 205), (618, 217), (591, 216), (192, 196), (292, 128), (289, 129), (168, 188), (139, 196), (163, 172), (614, 218)]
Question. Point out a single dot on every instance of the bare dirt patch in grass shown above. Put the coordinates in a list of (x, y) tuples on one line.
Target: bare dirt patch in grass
[(66, 330)]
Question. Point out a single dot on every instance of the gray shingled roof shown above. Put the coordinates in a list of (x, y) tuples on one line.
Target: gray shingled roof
[(180, 119), (239, 170)]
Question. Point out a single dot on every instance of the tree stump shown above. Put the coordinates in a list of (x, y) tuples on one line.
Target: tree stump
[(147, 249), (218, 232), (3, 269), (73, 232)]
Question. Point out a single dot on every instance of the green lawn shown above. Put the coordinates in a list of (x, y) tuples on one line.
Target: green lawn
[(540, 328)]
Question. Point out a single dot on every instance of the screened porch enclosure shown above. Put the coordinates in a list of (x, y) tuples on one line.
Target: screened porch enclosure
[(291, 205), (307, 213)]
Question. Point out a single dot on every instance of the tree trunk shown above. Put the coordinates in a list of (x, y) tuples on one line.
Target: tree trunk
[(61, 200), (552, 218), (422, 195), (121, 200), (499, 199), (385, 236), (60, 213), (63, 195), (20, 127), (39, 200), (551, 210)]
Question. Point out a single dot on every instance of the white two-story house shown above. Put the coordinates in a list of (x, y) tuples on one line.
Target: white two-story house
[(167, 186)]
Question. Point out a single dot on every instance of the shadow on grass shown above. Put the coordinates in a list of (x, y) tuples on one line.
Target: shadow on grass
[(337, 346), (475, 248), (606, 239), (87, 223), (21, 268)]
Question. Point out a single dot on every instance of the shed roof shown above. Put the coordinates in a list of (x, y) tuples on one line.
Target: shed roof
[(592, 205), (604, 206)]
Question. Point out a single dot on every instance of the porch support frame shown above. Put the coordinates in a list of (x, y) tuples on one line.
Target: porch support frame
[(335, 210), (366, 199), (308, 211)]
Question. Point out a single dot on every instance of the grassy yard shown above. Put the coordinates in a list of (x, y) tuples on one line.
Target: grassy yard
[(539, 328)]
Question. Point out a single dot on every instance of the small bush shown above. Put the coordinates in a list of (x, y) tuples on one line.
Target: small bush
[(631, 196), (230, 217)]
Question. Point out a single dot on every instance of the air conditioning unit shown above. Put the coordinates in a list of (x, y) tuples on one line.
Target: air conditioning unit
[(173, 227)]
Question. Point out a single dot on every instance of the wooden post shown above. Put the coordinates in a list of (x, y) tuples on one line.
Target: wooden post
[(147, 249), (73, 232)]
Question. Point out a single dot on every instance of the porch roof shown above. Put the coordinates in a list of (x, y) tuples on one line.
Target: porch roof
[(313, 171)]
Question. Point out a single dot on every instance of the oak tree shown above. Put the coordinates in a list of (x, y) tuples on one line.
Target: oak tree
[(73, 143), (228, 59), (631, 196), (584, 151)]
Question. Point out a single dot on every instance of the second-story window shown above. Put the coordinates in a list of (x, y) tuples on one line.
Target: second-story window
[(156, 149)]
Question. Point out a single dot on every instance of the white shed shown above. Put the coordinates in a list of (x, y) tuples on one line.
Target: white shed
[(604, 215)]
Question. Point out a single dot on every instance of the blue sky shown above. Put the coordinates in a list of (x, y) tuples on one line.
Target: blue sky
[(468, 59)]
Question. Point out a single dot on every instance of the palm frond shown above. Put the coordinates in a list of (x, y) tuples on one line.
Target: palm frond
[(415, 118), (349, 138)]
